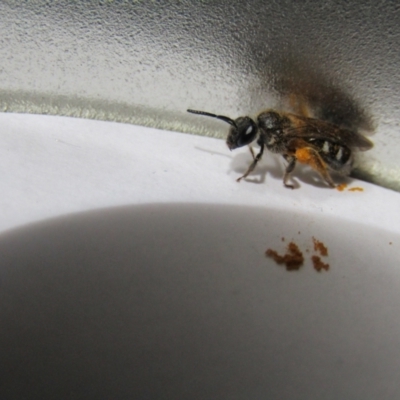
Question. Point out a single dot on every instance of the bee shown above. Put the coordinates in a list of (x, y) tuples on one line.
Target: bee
[(323, 146)]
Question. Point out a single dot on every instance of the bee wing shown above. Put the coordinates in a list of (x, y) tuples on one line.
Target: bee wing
[(304, 127), (359, 141)]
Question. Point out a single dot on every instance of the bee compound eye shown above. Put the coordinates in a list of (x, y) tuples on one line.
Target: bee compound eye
[(249, 130)]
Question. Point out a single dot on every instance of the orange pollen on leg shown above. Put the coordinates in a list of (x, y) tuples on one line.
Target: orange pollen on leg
[(303, 155)]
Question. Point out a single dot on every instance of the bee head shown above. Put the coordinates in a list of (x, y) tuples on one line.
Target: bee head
[(242, 133), (243, 129)]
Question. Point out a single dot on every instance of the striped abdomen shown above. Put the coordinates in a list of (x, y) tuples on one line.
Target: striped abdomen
[(336, 156)]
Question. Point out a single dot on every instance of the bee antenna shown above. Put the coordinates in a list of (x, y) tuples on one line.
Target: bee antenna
[(221, 117)]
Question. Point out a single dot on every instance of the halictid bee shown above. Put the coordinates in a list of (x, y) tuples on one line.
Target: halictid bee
[(320, 144)]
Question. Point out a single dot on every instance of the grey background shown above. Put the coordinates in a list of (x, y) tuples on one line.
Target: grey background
[(146, 62)]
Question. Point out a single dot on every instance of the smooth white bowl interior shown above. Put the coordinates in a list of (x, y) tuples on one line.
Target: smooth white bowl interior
[(132, 265)]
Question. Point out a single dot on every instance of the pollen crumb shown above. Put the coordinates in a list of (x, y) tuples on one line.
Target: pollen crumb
[(319, 246), (318, 264), (341, 187), (293, 259), (356, 189)]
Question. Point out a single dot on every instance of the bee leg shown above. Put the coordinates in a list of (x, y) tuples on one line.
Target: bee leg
[(316, 163), (327, 177), (289, 169), (252, 152), (257, 158)]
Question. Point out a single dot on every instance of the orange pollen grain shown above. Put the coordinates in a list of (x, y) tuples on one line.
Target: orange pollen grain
[(293, 259), (319, 246), (341, 187), (318, 264)]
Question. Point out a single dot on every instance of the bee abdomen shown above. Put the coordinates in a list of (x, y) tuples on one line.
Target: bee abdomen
[(337, 156)]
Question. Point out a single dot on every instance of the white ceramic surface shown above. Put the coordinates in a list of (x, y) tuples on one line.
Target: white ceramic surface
[(132, 266)]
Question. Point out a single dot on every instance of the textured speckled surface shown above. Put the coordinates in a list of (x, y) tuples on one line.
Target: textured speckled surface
[(146, 62)]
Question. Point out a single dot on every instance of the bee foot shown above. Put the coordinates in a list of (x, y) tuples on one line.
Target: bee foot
[(289, 186)]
